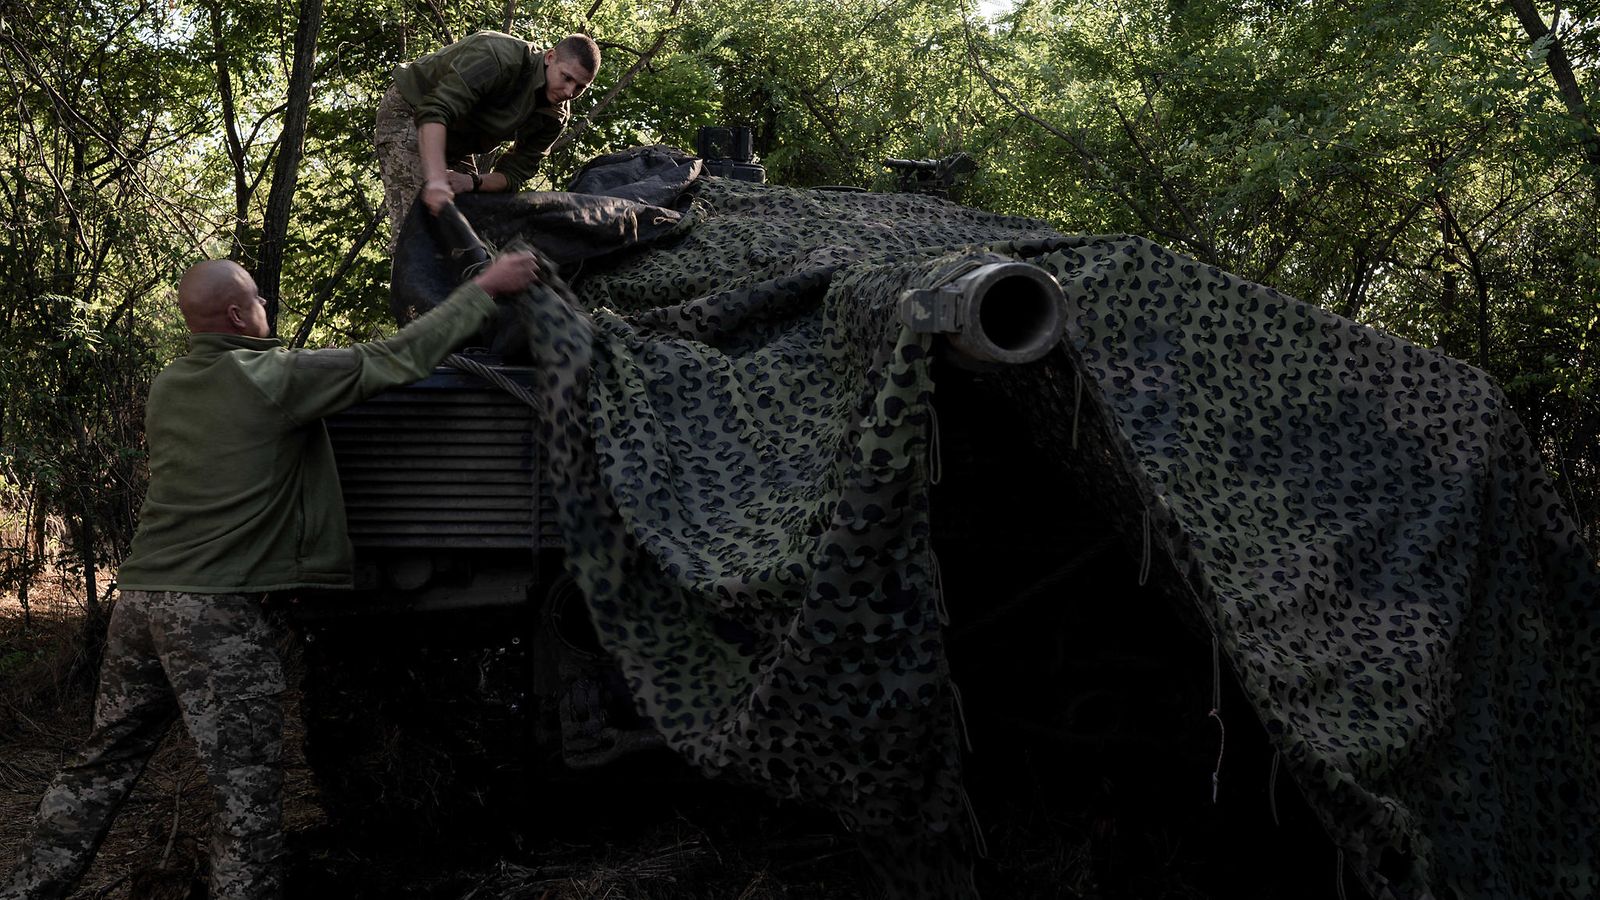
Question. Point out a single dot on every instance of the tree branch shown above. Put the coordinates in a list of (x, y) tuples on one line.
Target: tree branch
[(177, 219), (577, 130), (1084, 153), (1167, 189), (1566, 81), (242, 189), (438, 19), (61, 190), (303, 333), (291, 146)]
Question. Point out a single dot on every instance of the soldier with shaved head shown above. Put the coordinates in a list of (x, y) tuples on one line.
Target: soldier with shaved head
[(243, 502)]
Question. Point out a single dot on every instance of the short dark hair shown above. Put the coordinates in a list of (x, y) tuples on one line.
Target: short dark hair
[(581, 49)]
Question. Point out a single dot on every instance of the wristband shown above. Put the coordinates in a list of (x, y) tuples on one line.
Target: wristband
[(477, 180)]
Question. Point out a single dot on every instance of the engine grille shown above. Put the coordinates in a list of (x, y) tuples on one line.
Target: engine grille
[(448, 462)]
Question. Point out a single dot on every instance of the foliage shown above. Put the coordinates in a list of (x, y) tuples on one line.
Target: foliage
[(1411, 165)]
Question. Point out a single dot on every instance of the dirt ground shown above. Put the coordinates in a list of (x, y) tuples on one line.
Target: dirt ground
[(679, 844), (1063, 818)]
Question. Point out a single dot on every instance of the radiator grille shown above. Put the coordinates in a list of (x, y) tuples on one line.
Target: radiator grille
[(445, 463)]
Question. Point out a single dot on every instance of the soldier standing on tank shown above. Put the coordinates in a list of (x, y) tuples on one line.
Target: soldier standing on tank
[(243, 500), (469, 98)]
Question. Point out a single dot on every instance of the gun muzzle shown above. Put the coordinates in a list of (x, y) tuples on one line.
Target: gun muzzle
[(999, 313)]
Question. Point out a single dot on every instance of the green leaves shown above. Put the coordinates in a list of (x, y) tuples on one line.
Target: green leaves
[(1320, 147)]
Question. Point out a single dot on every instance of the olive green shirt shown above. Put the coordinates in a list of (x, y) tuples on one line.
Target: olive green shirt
[(243, 491), (485, 89)]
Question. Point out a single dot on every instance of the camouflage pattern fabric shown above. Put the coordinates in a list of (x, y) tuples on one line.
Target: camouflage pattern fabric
[(399, 165), (744, 494), (214, 659), (395, 136), (740, 433), (1377, 549)]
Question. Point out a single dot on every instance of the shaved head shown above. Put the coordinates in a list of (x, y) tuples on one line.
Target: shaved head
[(219, 296)]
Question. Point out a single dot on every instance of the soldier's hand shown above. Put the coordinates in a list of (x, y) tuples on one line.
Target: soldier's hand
[(436, 193), (510, 273)]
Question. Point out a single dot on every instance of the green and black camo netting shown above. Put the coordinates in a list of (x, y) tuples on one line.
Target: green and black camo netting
[(740, 434)]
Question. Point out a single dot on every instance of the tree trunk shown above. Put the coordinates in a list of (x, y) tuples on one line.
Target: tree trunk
[(286, 169), (230, 125), (1355, 295), (32, 528), (1453, 232), (304, 332), (1566, 83), (96, 616), (1450, 340), (87, 538)]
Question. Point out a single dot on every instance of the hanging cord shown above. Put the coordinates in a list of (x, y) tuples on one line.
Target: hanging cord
[(935, 451), (961, 716), (1077, 400), (1338, 872), (1216, 713), (1144, 557), (979, 844), (1272, 787), (938, 589)]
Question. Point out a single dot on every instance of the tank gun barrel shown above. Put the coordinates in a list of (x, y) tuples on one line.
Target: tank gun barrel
[(998, 313), (922, 165)]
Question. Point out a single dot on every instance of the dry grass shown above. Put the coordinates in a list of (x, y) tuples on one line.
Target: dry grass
[(42, 662)]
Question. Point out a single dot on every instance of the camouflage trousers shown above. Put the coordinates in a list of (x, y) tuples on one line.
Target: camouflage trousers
[(214, 659), (398, 163)]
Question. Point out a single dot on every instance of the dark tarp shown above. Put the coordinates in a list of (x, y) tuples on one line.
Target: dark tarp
[(617, 204), (740, 436)]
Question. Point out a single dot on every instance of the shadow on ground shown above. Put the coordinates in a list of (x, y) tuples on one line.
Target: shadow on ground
[(1091, 775)]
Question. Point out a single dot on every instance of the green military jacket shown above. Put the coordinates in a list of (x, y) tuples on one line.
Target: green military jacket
[(243, 491), (485, 89)]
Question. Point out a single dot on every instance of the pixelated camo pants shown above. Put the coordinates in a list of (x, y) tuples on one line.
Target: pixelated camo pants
[(215, 660)]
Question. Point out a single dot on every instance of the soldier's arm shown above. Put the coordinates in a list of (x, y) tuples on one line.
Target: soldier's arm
[(436, 187), (475, 72), (532, 145), (311, 384)]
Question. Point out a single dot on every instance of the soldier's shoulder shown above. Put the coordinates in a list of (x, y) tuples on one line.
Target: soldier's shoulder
[(501, 45)]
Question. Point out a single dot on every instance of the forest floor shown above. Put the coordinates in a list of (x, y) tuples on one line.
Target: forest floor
[(1060, 821)]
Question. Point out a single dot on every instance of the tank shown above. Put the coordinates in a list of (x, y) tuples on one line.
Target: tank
[(465, 653), (462, 680)]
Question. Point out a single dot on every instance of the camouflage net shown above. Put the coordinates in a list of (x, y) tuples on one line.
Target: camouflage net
[(740, 432)]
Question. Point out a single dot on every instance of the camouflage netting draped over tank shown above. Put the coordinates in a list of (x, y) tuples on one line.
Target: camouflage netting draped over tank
[(742, 434)]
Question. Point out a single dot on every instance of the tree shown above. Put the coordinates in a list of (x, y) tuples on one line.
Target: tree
[(1427, 168)]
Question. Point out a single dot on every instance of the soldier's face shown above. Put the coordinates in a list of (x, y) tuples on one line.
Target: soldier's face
[(564, 79), (256, 317), (248, 309)]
